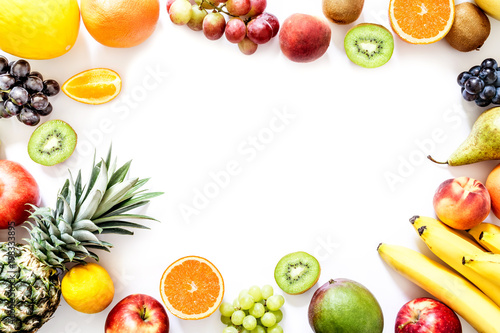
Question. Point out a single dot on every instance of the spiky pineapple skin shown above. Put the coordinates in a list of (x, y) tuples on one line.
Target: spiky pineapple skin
[(30, 291)]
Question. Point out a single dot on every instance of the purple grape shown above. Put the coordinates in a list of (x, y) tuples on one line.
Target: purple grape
[(462, 77), (46, 111), (20, 69), (474, 71), (489, 63), (488, 92), (496, 98), (28, 117), (4, 65), (474, 85), (468, 96), (488, 75), (33, 84), (7, 81), (39, 101), (19, 95), (51, 87), (11, 108)]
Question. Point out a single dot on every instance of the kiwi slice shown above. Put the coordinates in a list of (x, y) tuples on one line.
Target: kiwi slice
[(52, 142), (297, 272), (369, 45)]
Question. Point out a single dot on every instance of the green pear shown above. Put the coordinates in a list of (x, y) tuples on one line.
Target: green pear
[(483, 142)]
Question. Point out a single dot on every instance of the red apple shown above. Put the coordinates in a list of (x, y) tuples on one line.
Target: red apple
[(18, 188), (427, 315), (462, 202), (137, 313)]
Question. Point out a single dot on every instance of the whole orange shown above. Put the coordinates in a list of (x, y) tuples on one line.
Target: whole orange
[(120, 23), (493, 186)]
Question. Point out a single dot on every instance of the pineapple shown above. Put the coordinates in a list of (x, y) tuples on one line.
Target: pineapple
[(29, 273)]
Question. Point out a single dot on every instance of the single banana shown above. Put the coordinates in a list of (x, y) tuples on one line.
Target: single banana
[(444, 284), (451, 246), (478, 229), (486, 264), (491, 241)]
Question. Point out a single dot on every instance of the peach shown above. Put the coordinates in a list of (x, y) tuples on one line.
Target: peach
[(304, 38), (462, 202), (493, 185)]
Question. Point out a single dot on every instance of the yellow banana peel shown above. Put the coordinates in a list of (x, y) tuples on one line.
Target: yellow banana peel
[(446, 285), (451, 246)]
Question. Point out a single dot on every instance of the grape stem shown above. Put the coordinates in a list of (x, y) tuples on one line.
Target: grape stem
[(219, 9)]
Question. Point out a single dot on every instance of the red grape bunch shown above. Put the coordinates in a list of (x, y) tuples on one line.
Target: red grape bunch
[(242, 22)]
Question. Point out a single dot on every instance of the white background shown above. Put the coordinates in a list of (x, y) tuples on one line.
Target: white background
[(319, 183)]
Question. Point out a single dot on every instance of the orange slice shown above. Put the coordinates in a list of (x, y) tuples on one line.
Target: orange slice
[(192, 288), (421, 21), (93, 86)]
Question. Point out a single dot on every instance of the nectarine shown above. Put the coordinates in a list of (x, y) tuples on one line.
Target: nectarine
[(462, 202), (493, 186), (304, 38)]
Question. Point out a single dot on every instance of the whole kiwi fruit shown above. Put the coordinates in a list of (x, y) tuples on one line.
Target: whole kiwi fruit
[(470, 28), (342, 11)]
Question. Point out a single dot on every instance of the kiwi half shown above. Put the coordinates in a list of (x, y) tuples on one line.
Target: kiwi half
[(369, 45), (297, 272), (52, 142)]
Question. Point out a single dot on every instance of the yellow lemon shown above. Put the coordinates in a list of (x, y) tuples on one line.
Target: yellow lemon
[(38, 29), (87, 288)]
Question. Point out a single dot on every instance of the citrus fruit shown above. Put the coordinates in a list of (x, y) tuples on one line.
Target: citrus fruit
[(120, 23), (192, 288), (38, 29), (493, 186), (93, 86), (87, 288), (421, 21)]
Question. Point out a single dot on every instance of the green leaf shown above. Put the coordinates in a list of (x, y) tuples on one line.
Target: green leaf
[(123, 217), (98, 247), (114, 196), (89, 206), (111, 224), (117, 231), (86, 225), (84, 235), (120, 174)]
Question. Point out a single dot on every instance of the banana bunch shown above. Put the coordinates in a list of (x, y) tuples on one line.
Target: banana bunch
[(469, 283)]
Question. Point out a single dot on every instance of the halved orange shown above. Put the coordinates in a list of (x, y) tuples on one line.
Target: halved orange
[(93, 86), (192, 288), (421, 21)]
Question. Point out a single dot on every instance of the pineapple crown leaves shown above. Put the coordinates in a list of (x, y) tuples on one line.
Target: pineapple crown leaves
[(69, 233)]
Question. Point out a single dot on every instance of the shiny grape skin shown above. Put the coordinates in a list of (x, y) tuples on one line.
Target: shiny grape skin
[(33, 84), (273, 21), (236, 30), (7, 81), (51, 87), (28, 117), (39, 101), (20, 69), (19, 95), (474, 85), (259, 31), (214, 25)]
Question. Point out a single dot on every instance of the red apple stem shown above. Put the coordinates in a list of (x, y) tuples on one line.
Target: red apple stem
[(143, 313)]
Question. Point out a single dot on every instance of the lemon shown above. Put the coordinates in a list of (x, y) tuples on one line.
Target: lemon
[(88, 288), (38, 29)]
